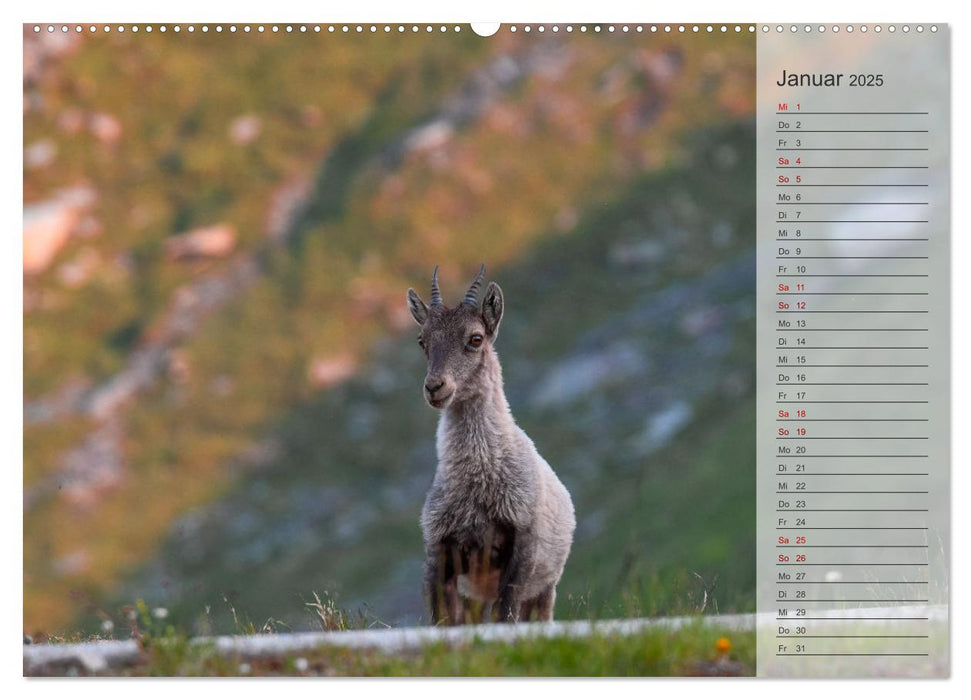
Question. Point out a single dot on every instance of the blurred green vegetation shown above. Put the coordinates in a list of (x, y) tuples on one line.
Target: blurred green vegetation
[(544, 182), (694, 650)]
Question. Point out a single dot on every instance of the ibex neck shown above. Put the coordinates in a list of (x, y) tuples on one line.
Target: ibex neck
[(486, 398), (472, 427)]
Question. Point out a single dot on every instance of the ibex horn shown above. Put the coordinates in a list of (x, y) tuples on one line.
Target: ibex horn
[(436, 292), (472, 296)]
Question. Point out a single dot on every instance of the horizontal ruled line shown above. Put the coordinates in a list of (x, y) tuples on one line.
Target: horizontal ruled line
[(859, 456), (790, 240), (858, 563), (852, 510), (849, 546), (851, 636), (840, 619), (879, 204), (851, 347), (851, 131), (851, 384), (852, 149), (868, 365), (857, 257), (850, 420), (851, 401), (801, 491), (852, 654), (851, 167), (796, 113), (831, 583), (855, 311), (851, 528), (875, 184), (851, 221), (852, 600), (849, 330), (802, 474), (853, 294)]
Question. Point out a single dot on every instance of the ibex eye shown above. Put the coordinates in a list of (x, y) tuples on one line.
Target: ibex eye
[(475, 341), (421, 343)]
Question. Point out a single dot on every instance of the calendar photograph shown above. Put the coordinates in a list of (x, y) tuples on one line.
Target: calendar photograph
[(462, 350)]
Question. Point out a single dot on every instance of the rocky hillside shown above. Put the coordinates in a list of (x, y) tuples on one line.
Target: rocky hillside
[(221, 385)]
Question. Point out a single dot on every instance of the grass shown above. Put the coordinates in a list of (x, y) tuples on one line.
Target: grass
[(695, 650), (167, 650)]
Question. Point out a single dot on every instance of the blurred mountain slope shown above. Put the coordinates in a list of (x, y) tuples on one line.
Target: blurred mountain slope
[(632, 372), (343, 169)]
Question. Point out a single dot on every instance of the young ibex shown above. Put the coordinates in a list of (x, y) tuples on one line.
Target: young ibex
[(497, 522)]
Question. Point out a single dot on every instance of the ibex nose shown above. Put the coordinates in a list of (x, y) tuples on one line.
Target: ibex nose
[(433, 385)]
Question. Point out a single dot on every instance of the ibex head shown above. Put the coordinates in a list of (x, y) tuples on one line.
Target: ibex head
[(456, 341)]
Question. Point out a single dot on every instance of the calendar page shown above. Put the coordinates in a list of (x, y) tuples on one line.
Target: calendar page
[(523, 349)]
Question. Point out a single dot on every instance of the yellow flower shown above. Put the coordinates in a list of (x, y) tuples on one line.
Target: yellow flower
[(723, 645)]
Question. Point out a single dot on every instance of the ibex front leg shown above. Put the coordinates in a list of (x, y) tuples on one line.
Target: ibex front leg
[(510, 582), (434, 575)]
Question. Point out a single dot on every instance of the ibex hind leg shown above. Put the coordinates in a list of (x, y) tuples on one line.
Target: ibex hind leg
[(526, 610), (545, 602), (441, 589)]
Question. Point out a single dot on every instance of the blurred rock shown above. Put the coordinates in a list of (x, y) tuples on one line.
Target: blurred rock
[(105, 127), (42, 48), (634, 253), (506, 119), (40, 154), (429, 136), (94, 467), (245, 129), (77, 272), (89, 227), (48, 225), (287, 203), (222, 386), (208, 242), (579, 376), (699, 322), (71, 121), (327, 371), (665, 65), (179, 369), (72, 564), (663, 426)]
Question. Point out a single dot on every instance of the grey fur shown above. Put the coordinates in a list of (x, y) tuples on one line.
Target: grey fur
[(497, 523)]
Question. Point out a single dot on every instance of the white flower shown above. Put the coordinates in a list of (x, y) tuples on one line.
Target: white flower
[(244, 669), (160, 613), (107, 626), (301, 664)]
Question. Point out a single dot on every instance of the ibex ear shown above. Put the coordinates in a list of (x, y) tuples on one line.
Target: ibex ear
[(492, 308), (417, 307)]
